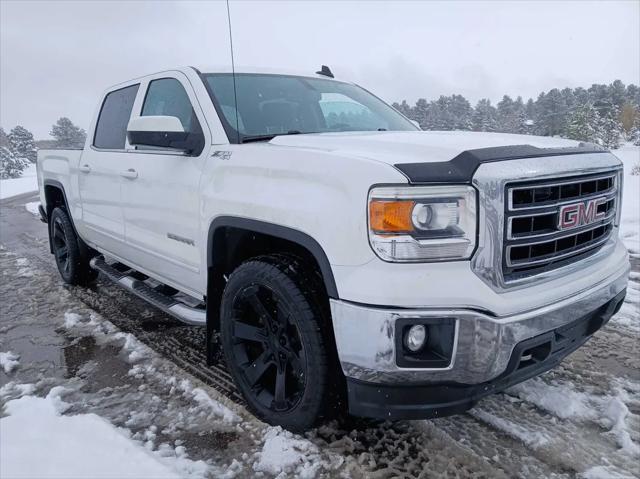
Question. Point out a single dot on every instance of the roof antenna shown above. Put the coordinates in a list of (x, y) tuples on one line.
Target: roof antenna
[(233, 72), (325, 70)]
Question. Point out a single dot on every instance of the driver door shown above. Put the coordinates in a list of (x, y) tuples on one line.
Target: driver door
[(161, 197)]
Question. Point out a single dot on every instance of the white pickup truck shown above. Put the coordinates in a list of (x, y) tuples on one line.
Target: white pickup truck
[(337, 254)]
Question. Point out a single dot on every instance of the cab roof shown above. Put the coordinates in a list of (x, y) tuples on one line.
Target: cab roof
[(264, 70)]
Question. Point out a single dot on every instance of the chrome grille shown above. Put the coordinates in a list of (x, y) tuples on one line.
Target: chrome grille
[(535, 242)]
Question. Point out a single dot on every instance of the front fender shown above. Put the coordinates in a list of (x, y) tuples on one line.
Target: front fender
[(317, 193)]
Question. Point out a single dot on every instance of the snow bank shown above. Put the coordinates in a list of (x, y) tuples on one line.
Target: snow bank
[(11, 390), (628, 316), (105, 332), (563, 401), (604, 472), (32, 207), (534, 439), (37, 441), (16, 186), (9, 361), (283, 452), (630, 219), (204, 400)]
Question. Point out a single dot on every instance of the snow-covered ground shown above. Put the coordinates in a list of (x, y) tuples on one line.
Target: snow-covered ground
[(115, 407), (39, 441), (32, 207), (17, 186), (9, 361), (630, 220)]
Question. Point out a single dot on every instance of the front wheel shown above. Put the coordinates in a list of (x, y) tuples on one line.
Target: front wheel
[(273, 343), (69, 251)]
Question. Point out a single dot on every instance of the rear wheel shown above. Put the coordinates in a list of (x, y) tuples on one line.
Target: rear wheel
[(70, 252), (273, 343)]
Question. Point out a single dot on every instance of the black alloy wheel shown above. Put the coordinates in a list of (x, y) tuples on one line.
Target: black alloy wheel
[(71, 253), (274, 338), (268, 348), (61, 247)]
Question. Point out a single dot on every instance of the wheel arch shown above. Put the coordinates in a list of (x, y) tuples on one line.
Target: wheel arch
[(232, 239), (54, 196)]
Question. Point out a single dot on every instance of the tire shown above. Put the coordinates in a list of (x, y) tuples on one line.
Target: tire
[(70, 252), (273, 334)]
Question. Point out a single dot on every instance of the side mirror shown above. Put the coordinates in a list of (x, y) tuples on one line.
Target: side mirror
[(162, 132), (415, 123)]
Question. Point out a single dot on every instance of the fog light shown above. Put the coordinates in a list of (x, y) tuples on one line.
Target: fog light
[(415, 337)]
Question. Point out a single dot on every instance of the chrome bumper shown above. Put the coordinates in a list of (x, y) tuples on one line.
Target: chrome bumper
[(483, 344)]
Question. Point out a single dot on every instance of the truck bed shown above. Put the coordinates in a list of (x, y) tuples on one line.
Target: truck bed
[(56, 165)]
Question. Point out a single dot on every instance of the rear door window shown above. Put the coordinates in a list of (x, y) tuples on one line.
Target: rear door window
[(111, 129)]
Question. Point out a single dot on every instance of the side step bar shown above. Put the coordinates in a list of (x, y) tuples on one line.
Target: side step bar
[(194, 316)]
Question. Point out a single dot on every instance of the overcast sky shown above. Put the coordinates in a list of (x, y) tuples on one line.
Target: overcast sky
[(57, 57)]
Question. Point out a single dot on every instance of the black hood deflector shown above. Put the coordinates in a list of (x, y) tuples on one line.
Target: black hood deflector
[(462, 168)]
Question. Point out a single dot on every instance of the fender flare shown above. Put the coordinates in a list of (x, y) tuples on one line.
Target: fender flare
[(85, 250), (278, 231), (60, 186)]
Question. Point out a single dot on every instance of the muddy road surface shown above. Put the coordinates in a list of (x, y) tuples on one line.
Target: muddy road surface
[(120, 358)]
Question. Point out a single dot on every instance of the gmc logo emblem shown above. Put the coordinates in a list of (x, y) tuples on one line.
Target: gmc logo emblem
[(580, 214)]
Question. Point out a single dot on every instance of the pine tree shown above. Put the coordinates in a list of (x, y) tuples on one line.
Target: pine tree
[(484, 116), (552, 112), (68, 135), (461, 112), (580, 96), (611, 129), (585, 124), (22, 144), (633, 94), (525, 125), (404, 108), (440, 111), (558, 112), (10, 166), (530, 116), (4, 139), (617, 94), (506, 123), (421, 113)]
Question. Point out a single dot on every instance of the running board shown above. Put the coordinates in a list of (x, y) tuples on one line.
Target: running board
[(123, 275)]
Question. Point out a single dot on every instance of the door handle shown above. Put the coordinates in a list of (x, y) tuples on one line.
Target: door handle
[(85, 169), (130, 173)]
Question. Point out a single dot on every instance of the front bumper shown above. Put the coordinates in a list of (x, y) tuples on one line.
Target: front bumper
[(436, 400), (483, 342)]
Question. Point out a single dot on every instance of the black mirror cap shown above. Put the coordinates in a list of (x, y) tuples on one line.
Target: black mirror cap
[(191, 143)]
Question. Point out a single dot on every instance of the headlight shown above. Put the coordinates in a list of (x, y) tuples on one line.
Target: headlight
[(422, 223)]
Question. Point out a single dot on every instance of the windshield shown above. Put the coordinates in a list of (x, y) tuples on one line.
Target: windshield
[(271, 105)]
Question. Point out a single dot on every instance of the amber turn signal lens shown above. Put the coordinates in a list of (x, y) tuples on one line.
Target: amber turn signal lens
[(390, 216)]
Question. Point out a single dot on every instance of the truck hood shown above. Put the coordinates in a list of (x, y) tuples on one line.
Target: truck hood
[(396, 147)]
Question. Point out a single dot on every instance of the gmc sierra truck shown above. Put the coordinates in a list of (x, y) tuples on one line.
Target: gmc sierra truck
[(336, 254)]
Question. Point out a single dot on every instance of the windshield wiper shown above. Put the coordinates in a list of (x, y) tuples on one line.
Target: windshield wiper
[(249, 139)]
